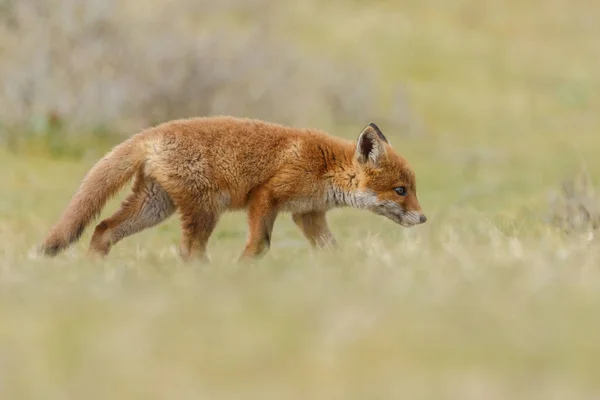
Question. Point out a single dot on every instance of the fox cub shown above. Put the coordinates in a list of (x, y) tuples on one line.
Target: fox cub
[(203, 167)]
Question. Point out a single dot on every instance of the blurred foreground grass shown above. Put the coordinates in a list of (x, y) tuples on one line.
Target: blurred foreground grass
[(477, 303), (484, 301)]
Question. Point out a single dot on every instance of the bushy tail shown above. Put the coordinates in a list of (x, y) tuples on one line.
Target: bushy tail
[(105, 178)]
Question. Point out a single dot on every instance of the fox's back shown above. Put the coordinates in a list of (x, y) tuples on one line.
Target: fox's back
[(224, 153)]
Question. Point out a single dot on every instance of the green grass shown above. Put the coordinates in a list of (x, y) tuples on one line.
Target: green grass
[(484, 301)]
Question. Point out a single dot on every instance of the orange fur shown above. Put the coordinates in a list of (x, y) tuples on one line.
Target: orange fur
[(203, 167)]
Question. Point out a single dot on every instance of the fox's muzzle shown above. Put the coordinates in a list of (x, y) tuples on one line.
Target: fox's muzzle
[(411, 218)]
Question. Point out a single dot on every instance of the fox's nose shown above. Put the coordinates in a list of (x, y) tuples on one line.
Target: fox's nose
[(422, 219)]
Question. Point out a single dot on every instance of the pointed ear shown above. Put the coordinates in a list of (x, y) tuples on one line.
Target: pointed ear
[(370, 146), (378, 131)]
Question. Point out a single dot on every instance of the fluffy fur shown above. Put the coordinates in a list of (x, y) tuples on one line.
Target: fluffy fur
[(203, 167)]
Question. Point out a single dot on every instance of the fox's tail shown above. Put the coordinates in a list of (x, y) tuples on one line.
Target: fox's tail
[(105, 178)]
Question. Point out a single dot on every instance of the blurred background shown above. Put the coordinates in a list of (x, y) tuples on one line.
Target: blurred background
[(494, 103), (121, 66)]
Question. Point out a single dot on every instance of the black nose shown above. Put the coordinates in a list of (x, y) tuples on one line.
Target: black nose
[(423, 219)]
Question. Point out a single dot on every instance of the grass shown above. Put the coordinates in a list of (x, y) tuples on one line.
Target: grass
[(486, 300), (473, 304)]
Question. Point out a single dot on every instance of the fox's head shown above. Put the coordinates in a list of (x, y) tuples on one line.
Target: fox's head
[(386, 182)]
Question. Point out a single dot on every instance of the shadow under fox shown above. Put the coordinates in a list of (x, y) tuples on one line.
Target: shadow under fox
[(203, 167)]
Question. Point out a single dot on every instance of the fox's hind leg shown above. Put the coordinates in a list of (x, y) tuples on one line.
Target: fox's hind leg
[(197, 224), (199, 216), (314, 227), (261, 219), (147, 206)]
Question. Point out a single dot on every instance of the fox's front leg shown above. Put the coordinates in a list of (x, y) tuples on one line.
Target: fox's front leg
[(261, 218), (314, 227)]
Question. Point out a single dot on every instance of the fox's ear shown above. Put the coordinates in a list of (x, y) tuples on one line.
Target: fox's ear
[(370, 144), (378, 131)]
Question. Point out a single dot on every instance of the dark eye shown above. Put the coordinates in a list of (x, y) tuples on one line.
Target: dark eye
[(401, 190)]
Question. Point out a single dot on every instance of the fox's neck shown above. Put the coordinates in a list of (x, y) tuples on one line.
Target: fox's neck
[(341, 175), (338, 197)]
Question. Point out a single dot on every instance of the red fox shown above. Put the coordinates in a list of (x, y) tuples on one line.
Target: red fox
[(202, 167)]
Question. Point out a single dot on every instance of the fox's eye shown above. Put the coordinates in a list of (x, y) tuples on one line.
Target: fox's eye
[(401, 190)]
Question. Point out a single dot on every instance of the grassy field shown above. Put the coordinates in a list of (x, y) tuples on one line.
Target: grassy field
[(486, 300)]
